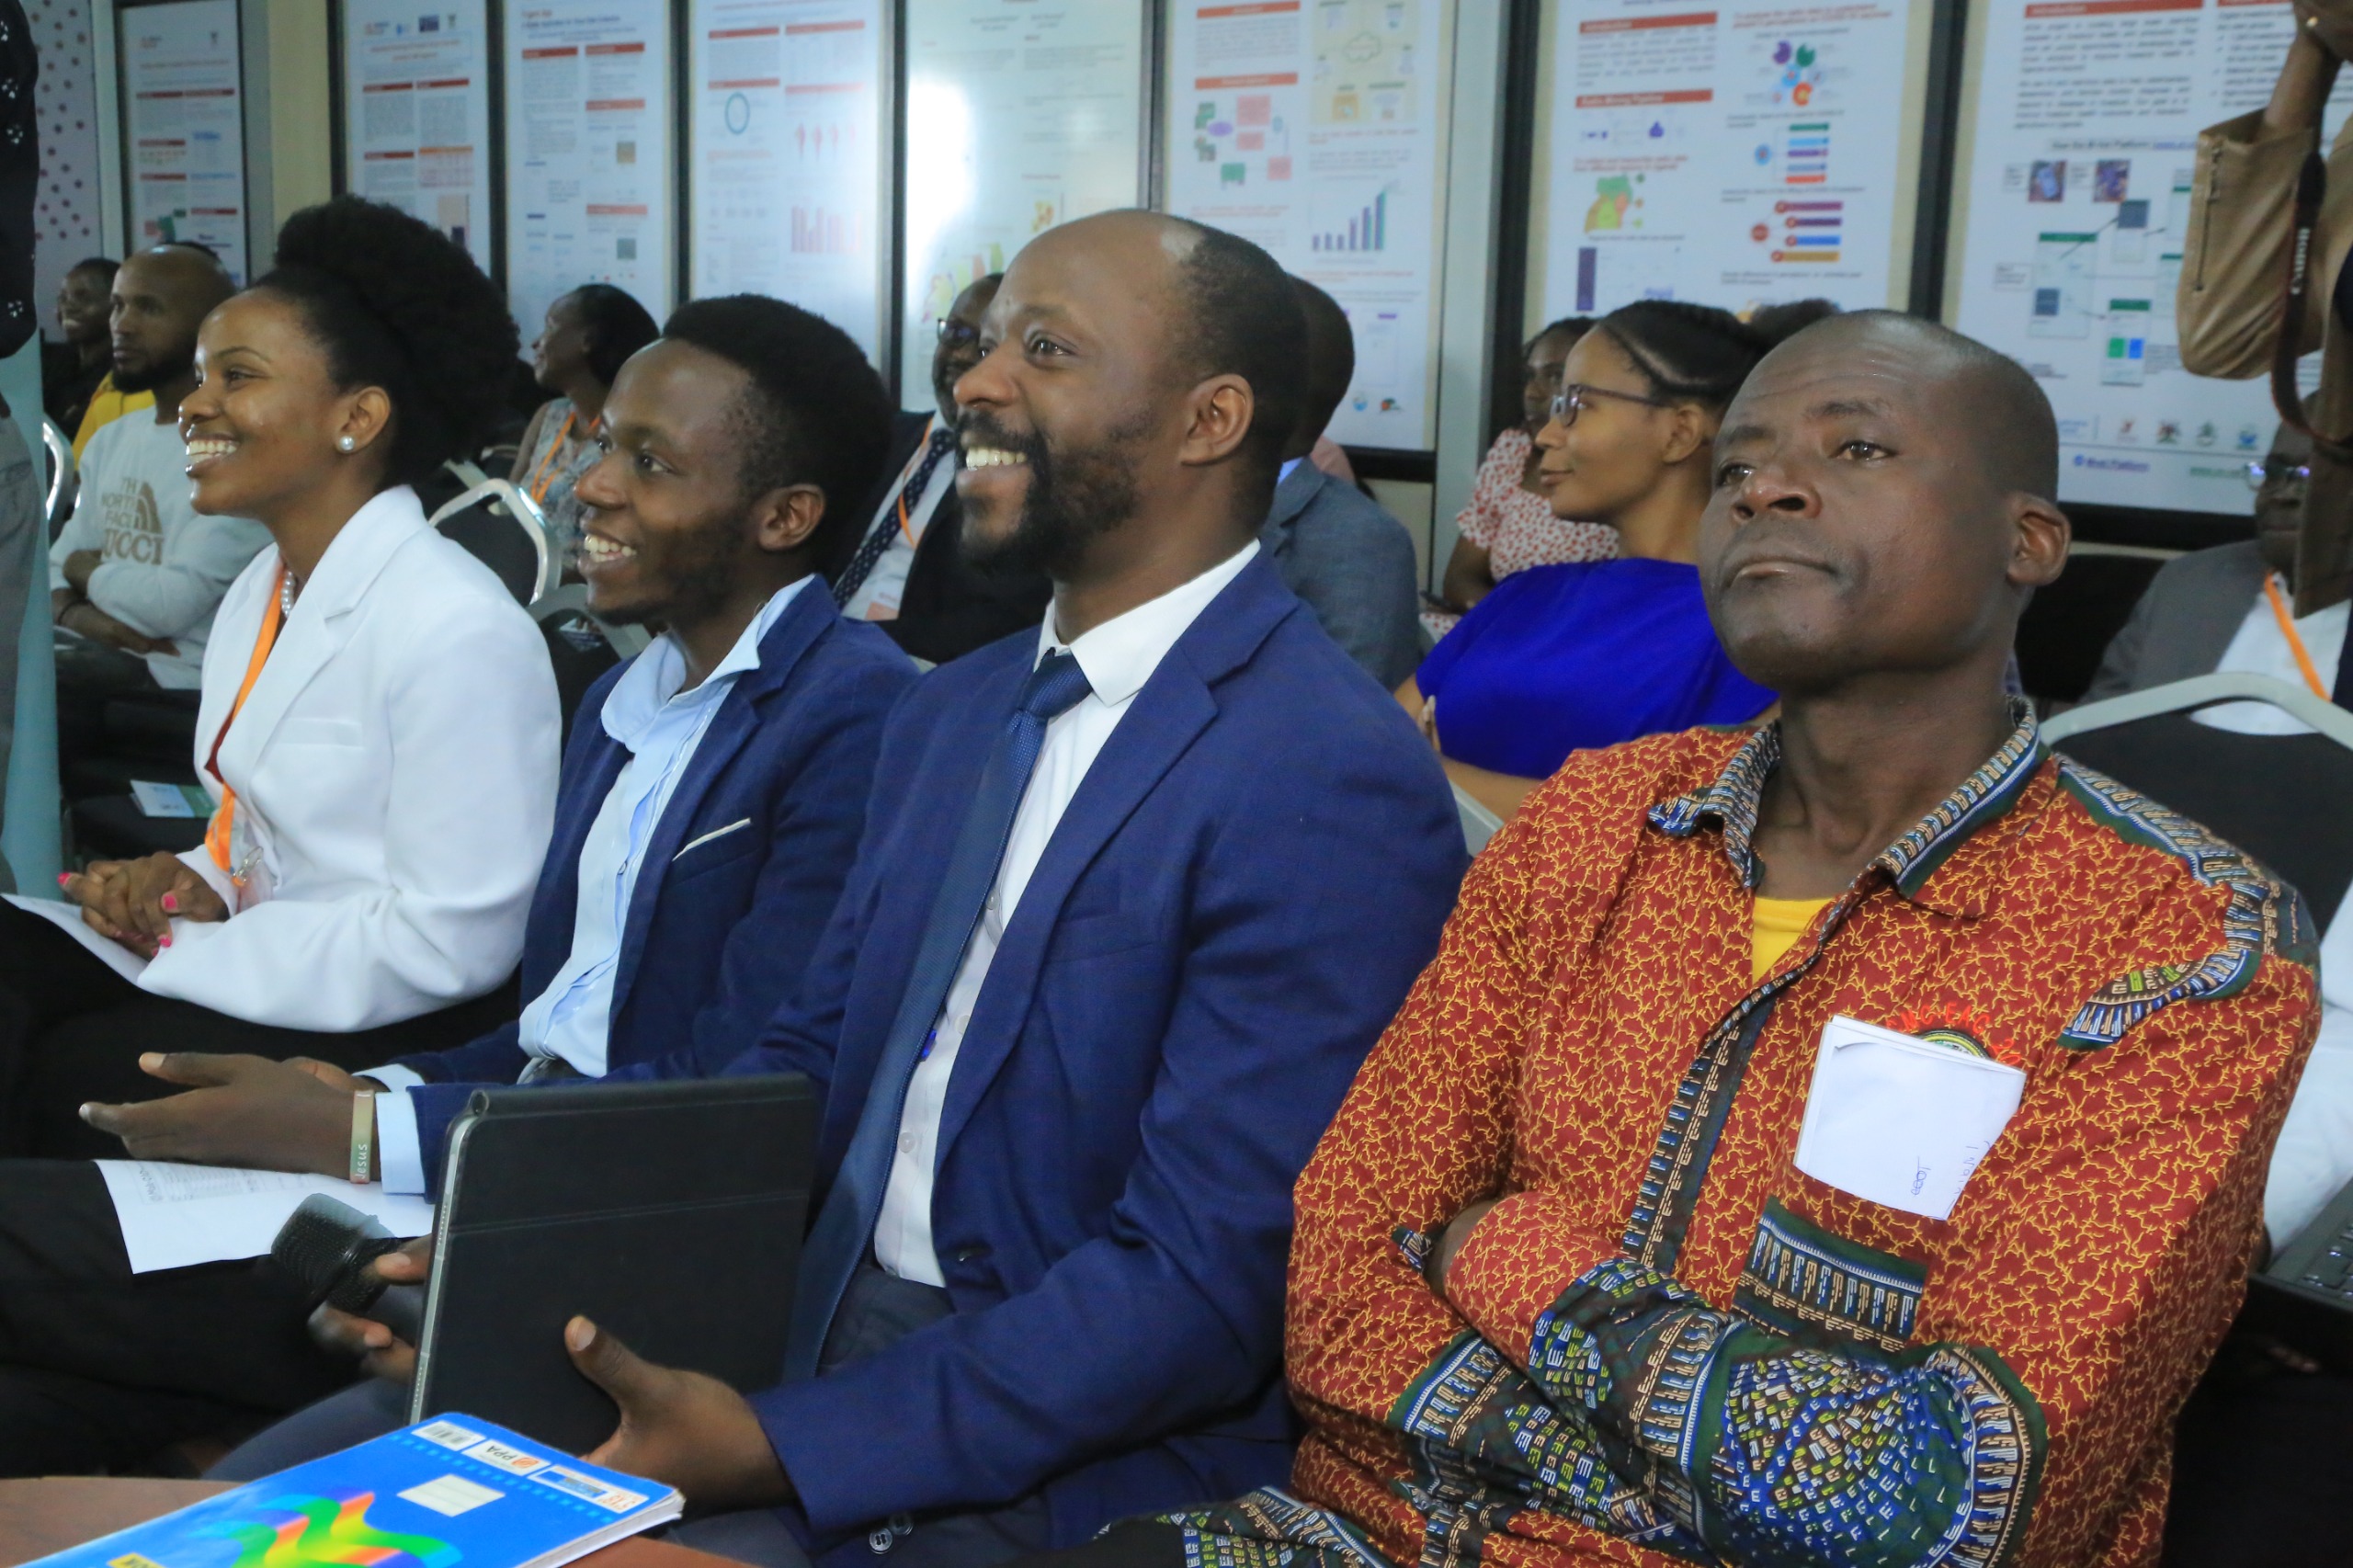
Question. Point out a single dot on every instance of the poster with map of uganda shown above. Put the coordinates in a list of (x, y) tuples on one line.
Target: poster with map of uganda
[(1315, 128), (1731, 156)]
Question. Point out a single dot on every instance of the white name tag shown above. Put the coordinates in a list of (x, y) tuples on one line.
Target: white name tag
[(1901, 1121)]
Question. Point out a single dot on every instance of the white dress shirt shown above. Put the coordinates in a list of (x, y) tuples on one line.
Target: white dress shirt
[(2314, 1154), (878, 598), (1117, 657), (2260, 648), (661, 727)]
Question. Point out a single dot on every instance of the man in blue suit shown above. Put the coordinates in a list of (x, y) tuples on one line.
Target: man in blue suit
[(1138, 892), (705, 823)]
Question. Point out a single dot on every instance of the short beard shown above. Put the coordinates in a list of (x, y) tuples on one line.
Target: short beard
[(1071, 502), (704, 570), (152, 377)]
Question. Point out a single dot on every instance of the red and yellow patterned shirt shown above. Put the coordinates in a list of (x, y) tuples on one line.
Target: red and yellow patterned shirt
[(1666, 1344)]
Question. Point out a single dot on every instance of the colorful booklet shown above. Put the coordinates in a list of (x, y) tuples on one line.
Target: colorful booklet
[(451, 1491)]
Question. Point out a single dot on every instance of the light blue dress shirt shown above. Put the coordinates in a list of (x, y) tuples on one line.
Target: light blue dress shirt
[(661, 727)]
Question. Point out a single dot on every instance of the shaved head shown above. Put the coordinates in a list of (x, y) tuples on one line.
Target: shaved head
[(1882, 505), (160, 297), (1330, 364)]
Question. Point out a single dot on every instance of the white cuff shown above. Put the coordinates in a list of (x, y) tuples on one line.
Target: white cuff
[(400, 1154), (393, 1076)]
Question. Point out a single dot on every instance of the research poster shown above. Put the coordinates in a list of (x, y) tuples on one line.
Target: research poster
[(1021, 114), (588, 152), (184, 132), (416, 113), (1737, 156), (1316, 129), (2078, 204), (787, 156)]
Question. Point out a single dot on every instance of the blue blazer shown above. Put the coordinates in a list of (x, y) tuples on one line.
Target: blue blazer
[(1250, 877), (742, 872)]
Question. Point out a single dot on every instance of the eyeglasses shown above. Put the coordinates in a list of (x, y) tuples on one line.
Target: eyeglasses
[(954, 334), (1576, 397), (2265, 471)]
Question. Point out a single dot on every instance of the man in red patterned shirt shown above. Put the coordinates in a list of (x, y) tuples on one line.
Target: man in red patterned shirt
[(1562, 1290)]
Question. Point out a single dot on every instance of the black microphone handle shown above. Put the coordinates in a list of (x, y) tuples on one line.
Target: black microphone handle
[(401, 1309)]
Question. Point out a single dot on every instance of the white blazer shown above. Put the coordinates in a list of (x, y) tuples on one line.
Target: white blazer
[(396, 766)]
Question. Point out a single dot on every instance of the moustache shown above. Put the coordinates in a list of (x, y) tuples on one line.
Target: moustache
[(983, 431)]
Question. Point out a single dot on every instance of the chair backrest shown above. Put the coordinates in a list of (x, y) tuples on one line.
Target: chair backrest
[(497, 524), (580, 646), (63, 475), (1479, 823), (2279, 798)]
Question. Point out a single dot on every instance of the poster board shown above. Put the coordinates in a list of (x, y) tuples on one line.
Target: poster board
[(184, 120), (1018, 118), (589, 153), (786, 144), (416, 112), (2081, 122), (1317, 129), (1733, 153)]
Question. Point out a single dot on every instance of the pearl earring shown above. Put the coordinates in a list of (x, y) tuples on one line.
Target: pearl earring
[(343, 443)]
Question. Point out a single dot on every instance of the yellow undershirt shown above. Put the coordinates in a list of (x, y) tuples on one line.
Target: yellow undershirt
[(1774, 928)]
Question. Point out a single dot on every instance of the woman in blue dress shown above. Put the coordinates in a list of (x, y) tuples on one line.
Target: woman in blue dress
[(1564, 658)]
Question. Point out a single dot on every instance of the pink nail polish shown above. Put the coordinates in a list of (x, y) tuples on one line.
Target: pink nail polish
[(65, 879), (171, 904), (163, 941)]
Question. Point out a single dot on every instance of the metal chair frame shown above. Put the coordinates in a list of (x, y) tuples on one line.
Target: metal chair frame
[(527, 516)]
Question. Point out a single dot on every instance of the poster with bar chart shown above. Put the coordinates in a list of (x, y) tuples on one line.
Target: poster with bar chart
[(416, 112), (786, 155), (1317, 129), (1732, 155)]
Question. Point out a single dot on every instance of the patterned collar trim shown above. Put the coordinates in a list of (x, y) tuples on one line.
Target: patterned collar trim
[(1984, 797)]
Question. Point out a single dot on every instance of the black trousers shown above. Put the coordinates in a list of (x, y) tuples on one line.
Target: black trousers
[(100, 1367), (89, 676), (71, 1030)]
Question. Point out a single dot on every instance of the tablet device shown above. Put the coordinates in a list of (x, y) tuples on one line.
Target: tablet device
[(670, 1213)]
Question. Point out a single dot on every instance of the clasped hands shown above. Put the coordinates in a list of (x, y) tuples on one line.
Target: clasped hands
[(135, 901), (71, 608)]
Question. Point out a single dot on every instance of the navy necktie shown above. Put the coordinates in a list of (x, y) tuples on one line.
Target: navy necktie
[(837, 1241), (898, 515)]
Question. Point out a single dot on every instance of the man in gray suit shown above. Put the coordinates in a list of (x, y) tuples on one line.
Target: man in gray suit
[(1336, 548), (2201, 605)]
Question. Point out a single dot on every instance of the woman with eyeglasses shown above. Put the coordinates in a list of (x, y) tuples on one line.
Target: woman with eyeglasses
[(1576, 655), (589, 334), (1509, 525)]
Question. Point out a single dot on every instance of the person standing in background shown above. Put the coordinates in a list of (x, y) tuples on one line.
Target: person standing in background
[(136, 575), (20, 486), (908, 569), (1509, 525), (71, 371), (588, 335)]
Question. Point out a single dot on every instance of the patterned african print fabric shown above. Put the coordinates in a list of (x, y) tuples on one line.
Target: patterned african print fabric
[(1666, 1344)]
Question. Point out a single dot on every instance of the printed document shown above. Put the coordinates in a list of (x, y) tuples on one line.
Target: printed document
[(1901, 1122), (175, 1215)]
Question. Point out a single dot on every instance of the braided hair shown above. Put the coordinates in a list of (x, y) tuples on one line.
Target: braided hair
[(1689, 353)]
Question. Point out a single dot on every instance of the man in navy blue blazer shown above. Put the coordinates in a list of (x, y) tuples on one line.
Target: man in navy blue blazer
[(709, 813), (1139, 891)]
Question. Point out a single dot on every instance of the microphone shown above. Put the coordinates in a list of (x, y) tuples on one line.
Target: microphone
[(328, 1246)]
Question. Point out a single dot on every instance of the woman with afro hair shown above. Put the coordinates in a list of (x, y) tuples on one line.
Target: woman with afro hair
[(379, 725)]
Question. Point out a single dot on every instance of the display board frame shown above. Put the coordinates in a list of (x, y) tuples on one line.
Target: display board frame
[(232, 242), (634, 216), (929, 107), (490, 183), (814, 230)]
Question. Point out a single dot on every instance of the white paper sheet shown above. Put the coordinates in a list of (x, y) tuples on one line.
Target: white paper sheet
[(67, 917), (1901, 1122), (175, 1215)]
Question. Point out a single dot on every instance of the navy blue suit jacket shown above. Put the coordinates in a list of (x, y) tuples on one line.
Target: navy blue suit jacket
[(743, 871), (1254, 870)]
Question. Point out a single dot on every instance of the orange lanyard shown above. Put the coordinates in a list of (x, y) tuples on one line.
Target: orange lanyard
[(541, 479), (216, 835), (2295, 643), (906, 525)]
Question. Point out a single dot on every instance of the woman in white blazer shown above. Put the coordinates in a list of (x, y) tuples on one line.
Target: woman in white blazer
[(379, 727)]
